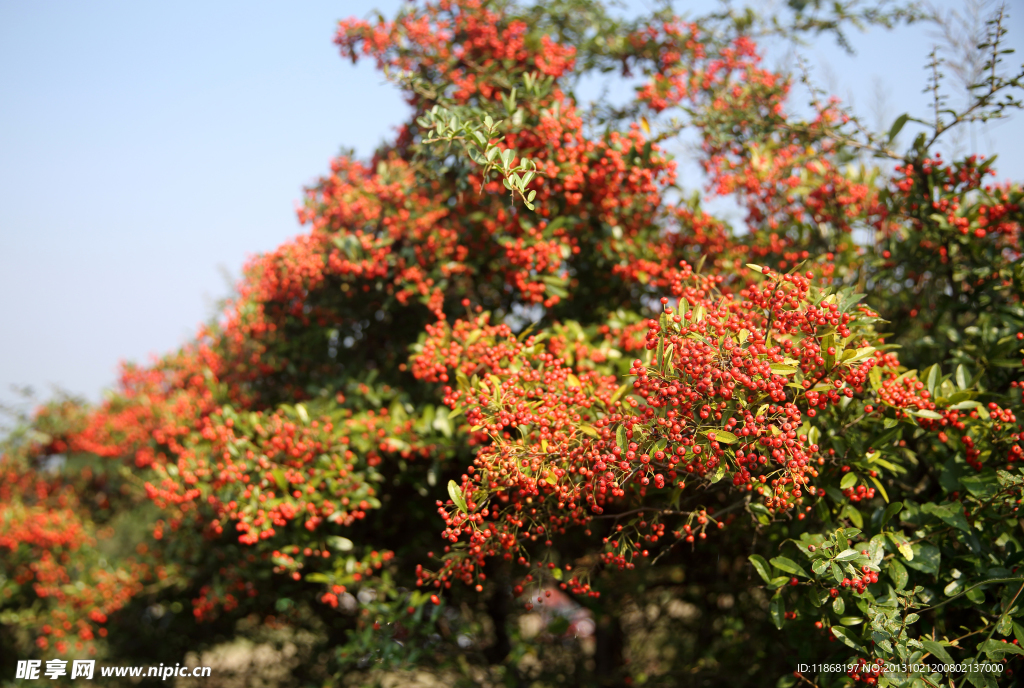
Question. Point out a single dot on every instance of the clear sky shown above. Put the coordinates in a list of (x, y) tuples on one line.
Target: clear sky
[(146, 149)]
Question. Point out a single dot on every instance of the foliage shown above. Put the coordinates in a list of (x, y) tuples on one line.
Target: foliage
[(715, 452)]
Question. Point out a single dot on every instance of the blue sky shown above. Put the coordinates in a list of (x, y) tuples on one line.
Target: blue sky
[(148, 148)]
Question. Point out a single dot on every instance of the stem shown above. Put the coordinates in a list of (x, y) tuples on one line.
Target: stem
[(976, 585)]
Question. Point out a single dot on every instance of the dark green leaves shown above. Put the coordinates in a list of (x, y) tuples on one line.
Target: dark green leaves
[(950, 512)]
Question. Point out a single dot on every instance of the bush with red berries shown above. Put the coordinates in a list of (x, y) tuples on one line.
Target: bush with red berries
[(516, 411)]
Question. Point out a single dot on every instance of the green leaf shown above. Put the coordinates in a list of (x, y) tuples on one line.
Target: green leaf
[(281, 481), (318, 578), (848, 555), (961, 377), (850, 512), (938, 650), (926, 558), (932, 376), (761, 566), (891, 511), (723, 437), (1005, 625), (898, 573), (984, 485), (1018, 633), (789, 566), (878, 483), (897, 126), (975, 595), (848, 481), (620, 438), (778, 610), (838, 606), (844, 636), (842, 541), (455, 492), (950, 513), (819, 566), (902, 545), (342, 544), (828, 342)]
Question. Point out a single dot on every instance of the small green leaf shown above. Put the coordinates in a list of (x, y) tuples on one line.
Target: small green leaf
[(938, 650), (339, 543), (855, 516), (891, 511), (723, 437), (932, 376), (778, 610), (897, 126), (789, 566), (838, 606), (761, 566), (279, 478), (455, 492), (961, 377), (844, 636), (898, 573), (848, 481), (1005, 625), (878, 483)]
